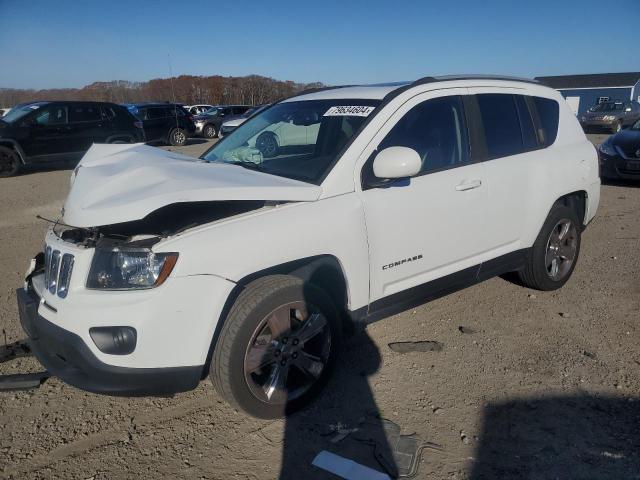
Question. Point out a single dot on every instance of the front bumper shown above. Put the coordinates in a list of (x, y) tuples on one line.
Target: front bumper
[(618, 167), (66, 355)]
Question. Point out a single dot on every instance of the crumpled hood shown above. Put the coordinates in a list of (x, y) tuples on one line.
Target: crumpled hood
[(121, 183)]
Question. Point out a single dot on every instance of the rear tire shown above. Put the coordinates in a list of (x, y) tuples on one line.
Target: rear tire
[(9, 162), (209, 131), (178, 137), (554, 254), (278, 328)]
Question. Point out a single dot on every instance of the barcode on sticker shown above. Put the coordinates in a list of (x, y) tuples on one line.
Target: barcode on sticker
[(349, 110)]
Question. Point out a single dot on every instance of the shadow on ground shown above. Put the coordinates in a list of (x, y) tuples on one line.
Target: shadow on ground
[(576, 437), (347, 408)]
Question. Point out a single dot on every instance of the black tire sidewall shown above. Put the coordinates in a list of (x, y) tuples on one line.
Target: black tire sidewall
[(172, 137), (15, 163), (239, 389), (538, 252), (210, 127)]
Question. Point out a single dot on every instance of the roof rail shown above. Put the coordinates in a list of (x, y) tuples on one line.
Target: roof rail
[(446, 78)]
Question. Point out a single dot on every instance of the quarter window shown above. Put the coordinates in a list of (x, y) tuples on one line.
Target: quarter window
[(436, 130), (548, 113), (501, 124)]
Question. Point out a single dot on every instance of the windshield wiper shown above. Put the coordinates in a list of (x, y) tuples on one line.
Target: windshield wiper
[(248, 165)]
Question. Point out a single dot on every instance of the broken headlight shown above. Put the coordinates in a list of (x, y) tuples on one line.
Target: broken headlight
[(129, 269)]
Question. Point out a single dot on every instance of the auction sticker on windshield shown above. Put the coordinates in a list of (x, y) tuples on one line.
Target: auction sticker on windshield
[(351, 111)]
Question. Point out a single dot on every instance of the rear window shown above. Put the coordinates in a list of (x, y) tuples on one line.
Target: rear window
[(548, 114), (501, 124)]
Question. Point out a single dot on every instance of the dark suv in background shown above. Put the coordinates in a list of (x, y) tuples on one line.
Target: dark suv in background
[(208, 123), (164, 122), (613, 116), (52, 131)]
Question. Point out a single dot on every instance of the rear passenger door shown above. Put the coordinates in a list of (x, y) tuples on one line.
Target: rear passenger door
[(86, 126), (157, 123), (515, 164)]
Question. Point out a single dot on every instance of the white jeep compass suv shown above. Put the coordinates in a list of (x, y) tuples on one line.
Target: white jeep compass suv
[(245, 267)]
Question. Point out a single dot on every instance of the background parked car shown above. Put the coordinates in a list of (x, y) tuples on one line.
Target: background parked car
[(208, 124), (612, 116), (620, 154), (235, 121), (164, 122), (197, 109), (50, 131)]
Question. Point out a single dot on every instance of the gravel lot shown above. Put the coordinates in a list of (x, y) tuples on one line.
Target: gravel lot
[(536, 385)]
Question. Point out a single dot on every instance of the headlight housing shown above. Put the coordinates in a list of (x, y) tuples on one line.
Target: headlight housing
[(124, 269), (608, 149), (608, 117)]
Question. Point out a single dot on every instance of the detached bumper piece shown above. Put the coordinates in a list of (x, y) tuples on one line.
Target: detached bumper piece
[(66, 356)]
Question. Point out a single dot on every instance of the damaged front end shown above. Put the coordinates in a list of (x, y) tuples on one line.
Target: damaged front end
[(124, 258)]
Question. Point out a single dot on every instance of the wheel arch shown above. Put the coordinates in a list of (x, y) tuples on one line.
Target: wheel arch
[(12, 144), (323, 271), (577, 201)]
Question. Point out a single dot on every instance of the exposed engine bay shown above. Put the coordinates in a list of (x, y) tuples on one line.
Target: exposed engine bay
[(166, 221)]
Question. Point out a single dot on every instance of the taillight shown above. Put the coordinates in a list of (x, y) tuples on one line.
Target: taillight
[(137, 124)]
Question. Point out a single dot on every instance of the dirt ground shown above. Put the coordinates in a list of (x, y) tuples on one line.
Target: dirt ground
[(535, 385)]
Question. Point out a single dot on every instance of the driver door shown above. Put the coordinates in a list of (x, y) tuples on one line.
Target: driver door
[(430, 227)]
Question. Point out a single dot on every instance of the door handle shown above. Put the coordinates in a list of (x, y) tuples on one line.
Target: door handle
[(468, 185)]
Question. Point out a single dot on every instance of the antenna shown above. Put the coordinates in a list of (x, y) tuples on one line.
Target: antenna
[(173, 92)]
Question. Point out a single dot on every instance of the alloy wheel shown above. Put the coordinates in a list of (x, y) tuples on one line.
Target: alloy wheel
[(561, 249), (288, 353)]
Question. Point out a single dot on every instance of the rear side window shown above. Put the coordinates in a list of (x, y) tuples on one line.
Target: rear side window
[(501, 124), (157, 112), (83, 113), (548, 113), (436, 130)]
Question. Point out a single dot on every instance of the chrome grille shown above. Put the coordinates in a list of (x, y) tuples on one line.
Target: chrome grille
[(57, 271)]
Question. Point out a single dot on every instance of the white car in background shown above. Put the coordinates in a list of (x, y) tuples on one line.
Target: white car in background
[(4, 111), (230, 125), (197, 109), (245, 265)]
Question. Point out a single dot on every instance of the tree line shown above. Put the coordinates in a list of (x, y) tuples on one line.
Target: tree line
[(185, 89)]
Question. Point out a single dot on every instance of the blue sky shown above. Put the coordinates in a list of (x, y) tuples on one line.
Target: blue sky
[(65, 43)]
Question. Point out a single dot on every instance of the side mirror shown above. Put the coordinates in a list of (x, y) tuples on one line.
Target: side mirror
[(397, 162)]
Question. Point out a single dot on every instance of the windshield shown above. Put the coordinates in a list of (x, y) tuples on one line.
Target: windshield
[(606, 107), (298, 140), (19, 112)]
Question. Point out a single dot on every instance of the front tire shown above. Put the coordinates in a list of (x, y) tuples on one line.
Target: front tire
[(178, 137), (554, 254), (9, 162), (277, 347), (209, 131)]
